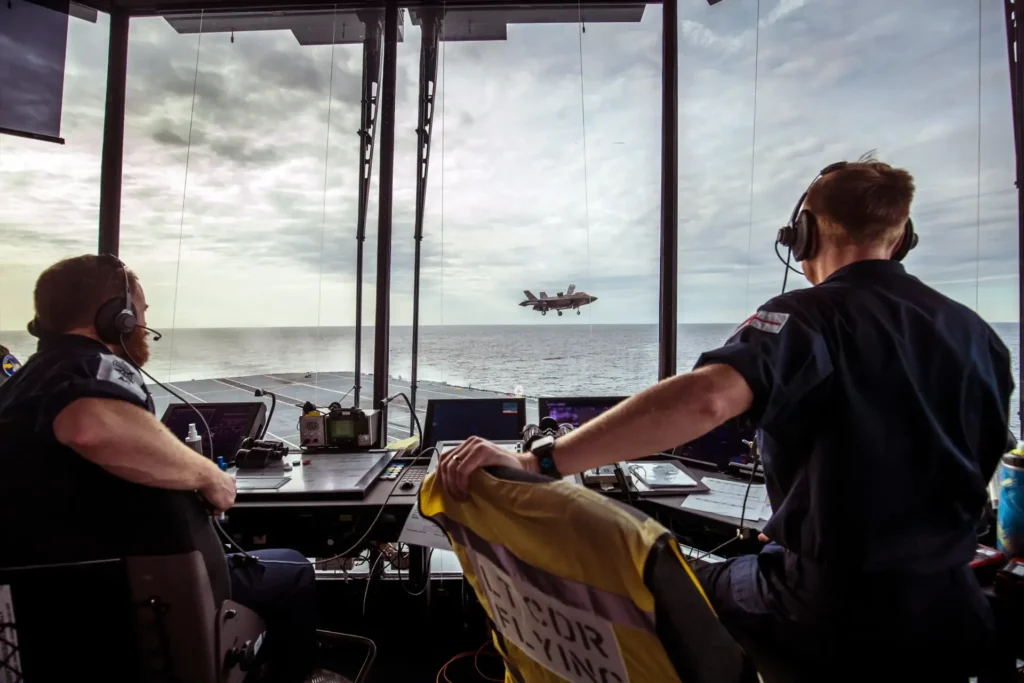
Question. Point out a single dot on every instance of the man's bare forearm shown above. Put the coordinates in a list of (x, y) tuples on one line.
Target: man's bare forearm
[(672, 412), (132, 444)]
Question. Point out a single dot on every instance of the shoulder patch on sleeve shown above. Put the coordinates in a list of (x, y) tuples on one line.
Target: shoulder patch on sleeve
[(121, 372), (766, 321)]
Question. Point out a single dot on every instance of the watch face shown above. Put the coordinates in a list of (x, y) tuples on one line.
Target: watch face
[(543, 444)]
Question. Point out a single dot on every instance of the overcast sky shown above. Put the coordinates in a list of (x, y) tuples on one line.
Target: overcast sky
[(545, 166)]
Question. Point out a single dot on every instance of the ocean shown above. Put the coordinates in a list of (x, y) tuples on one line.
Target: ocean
[(541, 359)]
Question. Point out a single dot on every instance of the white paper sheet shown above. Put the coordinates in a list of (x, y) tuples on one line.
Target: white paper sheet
[(726, 498), (420, 531)]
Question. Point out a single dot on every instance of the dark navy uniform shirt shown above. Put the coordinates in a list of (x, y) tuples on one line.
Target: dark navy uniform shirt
[(67, 508), (882, 410)]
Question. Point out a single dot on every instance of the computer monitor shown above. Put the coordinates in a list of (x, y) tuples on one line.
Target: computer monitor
[(576, 410), (719, 448), (453, 419), (230, 423)]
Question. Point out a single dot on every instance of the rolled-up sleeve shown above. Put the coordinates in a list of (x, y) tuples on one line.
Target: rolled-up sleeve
[(782, 357), (98, 376)]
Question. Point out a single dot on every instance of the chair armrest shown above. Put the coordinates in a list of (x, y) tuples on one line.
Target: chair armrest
[(239, 637)]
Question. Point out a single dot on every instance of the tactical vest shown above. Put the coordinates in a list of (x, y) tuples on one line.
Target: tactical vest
[(580, 588)]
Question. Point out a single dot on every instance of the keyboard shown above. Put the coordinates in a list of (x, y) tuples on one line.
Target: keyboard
[(412, 475)]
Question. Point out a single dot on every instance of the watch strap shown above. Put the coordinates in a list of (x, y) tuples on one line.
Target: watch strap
[(544, 452)]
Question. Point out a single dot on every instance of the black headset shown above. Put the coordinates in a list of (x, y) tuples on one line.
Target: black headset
[(116, 318), (800, 236)]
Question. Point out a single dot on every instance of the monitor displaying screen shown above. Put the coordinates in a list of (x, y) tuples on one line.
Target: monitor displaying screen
[(340, 429), (498, 419), (720, 447), (577, 410), (229, 422)]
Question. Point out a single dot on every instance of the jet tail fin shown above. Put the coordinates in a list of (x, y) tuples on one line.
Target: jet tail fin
[(529, 295), (543, 295)]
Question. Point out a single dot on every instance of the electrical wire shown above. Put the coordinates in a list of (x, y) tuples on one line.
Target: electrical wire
[(746, 494), (369, 577), (371, 655), (323, 211), (977, 246), (743, 512), (753, 158), (715, 549), (586, 178), (333, 557), (131, 359), (184, 192), (785, 262), (444, 140), (398, 568), (216, 522), (443, 671), (415, 417), (476, 664)]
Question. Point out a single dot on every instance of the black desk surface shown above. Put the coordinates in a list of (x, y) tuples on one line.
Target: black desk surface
[(313, 486), (674, 503), (328, 480)]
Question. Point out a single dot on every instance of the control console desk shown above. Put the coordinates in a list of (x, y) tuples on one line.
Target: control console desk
[(321, 506), (316, 480)]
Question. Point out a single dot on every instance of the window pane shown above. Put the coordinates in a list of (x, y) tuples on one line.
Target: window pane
[(49, 193), (239, 206), (544, 173), (924, 84)]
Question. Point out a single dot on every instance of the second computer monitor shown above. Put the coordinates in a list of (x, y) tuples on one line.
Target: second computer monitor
[(576, 410), (455, 419)]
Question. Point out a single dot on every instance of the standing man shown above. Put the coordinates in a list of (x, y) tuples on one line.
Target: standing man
[(881, 409), (81, 449)]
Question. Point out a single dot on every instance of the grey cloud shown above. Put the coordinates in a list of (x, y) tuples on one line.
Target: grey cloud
[(510, 190), (169, 137)]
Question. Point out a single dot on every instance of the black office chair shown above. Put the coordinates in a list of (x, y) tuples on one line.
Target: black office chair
[(144, 599), (144, 618)]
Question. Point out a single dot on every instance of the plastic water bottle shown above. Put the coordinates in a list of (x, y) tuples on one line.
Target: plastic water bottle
[(193, 440), (1010, 527)]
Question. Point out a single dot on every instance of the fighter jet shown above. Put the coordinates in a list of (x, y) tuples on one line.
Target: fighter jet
[(568, 300)]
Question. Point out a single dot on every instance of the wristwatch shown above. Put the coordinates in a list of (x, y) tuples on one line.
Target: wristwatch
[(543, 449)]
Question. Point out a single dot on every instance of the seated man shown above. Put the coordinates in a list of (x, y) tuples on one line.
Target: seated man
[(81, 448), (882, 409)]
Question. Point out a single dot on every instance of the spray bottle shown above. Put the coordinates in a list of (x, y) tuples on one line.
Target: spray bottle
[(193, 440)]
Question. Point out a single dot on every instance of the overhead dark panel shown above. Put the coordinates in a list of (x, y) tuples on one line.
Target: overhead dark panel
[(33, 48), (310, 27), (491, 23)]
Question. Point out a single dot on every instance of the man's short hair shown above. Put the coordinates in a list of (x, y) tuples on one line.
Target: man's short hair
[(70, 292), (862, 202)]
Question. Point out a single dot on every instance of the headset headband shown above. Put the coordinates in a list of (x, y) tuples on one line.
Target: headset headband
[(800, 235)]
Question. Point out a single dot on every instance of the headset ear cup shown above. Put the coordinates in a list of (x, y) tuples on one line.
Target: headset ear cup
[(907, 243), (126, 322), (113, 319), (805, 242)]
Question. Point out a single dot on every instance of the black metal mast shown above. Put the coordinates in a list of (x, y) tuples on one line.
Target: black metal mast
[(382, 321), (112, 161), (431, 25), (668, 313), (367, 137), (1014, 39)]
